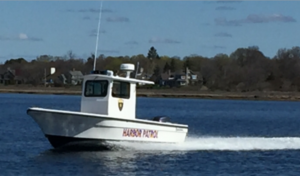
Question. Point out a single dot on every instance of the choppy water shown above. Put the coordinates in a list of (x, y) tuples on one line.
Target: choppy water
[(226, 137)]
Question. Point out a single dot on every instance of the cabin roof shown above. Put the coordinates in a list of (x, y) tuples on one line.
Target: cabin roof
[(131, 80)]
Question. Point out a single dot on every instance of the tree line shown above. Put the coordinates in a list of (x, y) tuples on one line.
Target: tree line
[(245, 69)]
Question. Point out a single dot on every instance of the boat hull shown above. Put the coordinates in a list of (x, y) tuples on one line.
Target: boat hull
[(63, 128), (76, 143)]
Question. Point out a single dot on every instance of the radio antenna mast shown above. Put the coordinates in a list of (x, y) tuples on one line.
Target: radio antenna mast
[(97, 39)]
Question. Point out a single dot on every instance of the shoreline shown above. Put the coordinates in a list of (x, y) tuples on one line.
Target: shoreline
[(165, 93)]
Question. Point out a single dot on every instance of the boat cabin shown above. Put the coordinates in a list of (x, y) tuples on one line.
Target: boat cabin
[(106, 94)]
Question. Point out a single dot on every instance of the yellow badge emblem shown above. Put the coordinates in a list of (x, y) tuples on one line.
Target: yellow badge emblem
[(120, 104)]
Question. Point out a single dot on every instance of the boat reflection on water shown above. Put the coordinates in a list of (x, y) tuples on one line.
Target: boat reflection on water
[(112, 162)]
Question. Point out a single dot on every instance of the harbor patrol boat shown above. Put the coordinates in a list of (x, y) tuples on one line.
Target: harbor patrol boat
[(108, 113)]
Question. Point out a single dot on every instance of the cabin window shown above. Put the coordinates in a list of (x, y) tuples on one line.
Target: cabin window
[(121, 89), (96, 88)]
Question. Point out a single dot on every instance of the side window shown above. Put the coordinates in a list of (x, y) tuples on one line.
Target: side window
[(121, 89), (97, 88)]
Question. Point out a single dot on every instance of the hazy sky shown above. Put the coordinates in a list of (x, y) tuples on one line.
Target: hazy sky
[(174, 28)]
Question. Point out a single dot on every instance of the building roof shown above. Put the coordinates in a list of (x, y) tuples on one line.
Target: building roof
[(165, 76), (76, 73)]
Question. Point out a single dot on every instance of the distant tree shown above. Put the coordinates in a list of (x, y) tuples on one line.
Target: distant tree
[(113, 63), (164, 58), (15, 61), (172, 65), (294, 52), (253, 48), (246, 69), (187, 63), (71, 55), (91, 57), (152, 54), (288, 66), (167, 67), (176, 64), (144, 62), (45, 58), (156, 74), (208, 72), (156, 70), (239, 55), (222, 64)]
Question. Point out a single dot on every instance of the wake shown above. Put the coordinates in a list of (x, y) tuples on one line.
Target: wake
[(218, 144)]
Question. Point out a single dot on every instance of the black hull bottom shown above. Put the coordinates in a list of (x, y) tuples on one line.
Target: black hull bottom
[(72, 143), (85, 144)]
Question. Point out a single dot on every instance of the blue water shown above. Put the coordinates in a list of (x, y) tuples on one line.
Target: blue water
[(226, 137)]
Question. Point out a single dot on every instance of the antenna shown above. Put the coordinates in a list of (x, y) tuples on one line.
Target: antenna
[(137, 68), (97, 39)]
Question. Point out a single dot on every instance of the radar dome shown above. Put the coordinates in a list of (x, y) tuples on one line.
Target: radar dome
[(128, 68)]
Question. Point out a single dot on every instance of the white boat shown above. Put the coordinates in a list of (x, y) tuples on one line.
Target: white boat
[(108, 113)]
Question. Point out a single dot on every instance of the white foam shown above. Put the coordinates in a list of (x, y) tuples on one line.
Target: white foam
[(217, 143)]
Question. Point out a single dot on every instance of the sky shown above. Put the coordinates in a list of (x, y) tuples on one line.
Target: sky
[(175, 28)]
